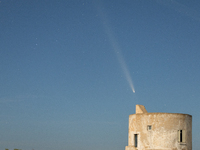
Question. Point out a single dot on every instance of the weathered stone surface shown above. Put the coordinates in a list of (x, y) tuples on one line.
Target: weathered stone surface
[(159, 131)]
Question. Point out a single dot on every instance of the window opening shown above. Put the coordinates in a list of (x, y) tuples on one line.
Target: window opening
[(149, 127), (181, 140), (136, 140), (181, 136)]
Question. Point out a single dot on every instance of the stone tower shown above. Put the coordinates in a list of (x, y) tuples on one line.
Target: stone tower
[(159, 131)]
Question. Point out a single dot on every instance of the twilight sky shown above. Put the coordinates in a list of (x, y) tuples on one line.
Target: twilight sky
[(66, 67)]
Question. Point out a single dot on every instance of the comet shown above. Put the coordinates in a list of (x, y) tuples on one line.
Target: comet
[(117, 49)]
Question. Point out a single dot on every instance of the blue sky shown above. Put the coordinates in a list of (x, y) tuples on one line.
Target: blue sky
[(63, 82)]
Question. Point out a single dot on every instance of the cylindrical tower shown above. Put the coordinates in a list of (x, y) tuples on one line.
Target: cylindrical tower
[(153, 131)]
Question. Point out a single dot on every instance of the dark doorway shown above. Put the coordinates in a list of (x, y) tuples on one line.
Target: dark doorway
[(136, 140)]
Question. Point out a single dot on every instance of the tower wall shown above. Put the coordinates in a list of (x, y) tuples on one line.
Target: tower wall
[(155, 131)]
